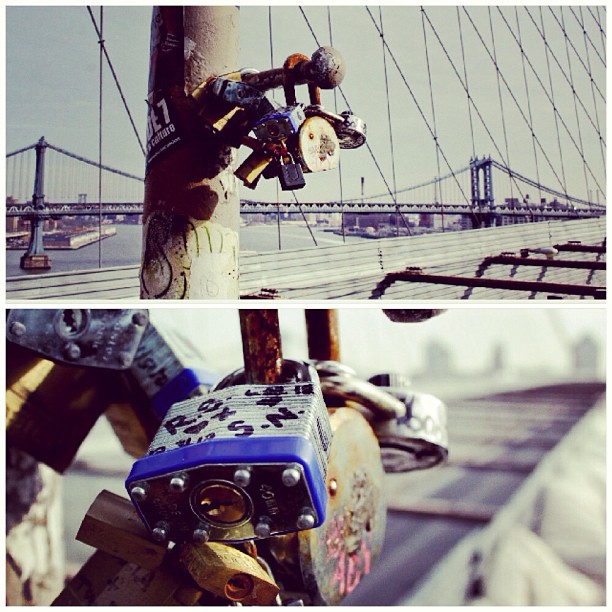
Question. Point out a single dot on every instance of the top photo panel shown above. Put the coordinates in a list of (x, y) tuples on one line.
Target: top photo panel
[(396, 153)]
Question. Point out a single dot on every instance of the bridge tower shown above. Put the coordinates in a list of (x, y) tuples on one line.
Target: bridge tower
[(35, 257), (482, 199)]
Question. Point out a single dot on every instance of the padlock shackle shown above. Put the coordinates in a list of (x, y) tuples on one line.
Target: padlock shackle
[(325, 69)]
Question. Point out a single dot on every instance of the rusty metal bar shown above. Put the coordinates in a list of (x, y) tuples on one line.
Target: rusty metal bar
[(261, 346), (323, 335), (581, 248), (541, 261), (597, 292)]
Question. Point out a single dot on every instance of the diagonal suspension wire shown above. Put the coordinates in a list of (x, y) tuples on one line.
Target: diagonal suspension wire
[(574, 95), (595, 109), (552, 97), (597, 20), (112, 69), (586, 35), (418, 106), (465, 88), (465, 76), (528, 97), (500, 97), (511, 93)]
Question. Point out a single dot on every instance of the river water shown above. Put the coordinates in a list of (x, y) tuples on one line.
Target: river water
[(124, 248)]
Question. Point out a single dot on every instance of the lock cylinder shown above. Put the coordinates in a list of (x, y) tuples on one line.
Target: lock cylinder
[(245, 462)]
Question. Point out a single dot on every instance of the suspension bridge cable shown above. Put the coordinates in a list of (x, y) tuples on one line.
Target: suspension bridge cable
[(433, 114), (574, 95), (555, 108), (101, 62), (112, 69), (513, 97), (602, 34), (595, 110), (18, 151), (331, 43), (465, 76), (499, 95), (528, 97), (416, 103), (278, 214), (389, 123), (367, 144), (586, 35), (476, 109)]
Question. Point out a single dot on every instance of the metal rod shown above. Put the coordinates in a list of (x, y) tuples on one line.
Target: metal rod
[(261, 346), (540, 261), (581, 248), (491, 283), (323, 334)]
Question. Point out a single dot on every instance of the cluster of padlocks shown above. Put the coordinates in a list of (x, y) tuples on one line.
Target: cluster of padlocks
[(286, 140), (295, 466)]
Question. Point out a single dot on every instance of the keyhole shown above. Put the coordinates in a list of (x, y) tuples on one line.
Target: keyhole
[(72, 322)]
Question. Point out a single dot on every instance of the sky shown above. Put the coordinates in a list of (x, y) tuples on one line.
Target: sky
[(533, 339), (52, 89)]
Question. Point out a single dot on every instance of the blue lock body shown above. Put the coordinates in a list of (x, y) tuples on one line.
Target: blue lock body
[(241, 463)]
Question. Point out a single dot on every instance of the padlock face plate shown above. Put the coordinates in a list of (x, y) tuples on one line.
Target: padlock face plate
[(104, 338), (318, 145), (280, 125), (259, 428)]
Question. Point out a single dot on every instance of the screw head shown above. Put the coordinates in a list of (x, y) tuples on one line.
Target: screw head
[(178, 484), (125, 359), (72, 350), (17, 329), (306, 520), (160, 532), (242, 477), (291, 475), (333, 486), (138, 493), (263, 529), (200, 535)]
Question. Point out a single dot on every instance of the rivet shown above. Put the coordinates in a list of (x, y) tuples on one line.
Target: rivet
[(72, 350), (17, 329), (200, 535), (291, 475), (242, 477), (160, 532), (178, 484), (138, 493), (306, 520), (263, 528)]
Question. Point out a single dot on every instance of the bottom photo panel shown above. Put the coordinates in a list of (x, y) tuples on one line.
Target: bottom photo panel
[(306, 456)]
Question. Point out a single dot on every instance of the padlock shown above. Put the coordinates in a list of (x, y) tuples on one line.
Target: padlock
[(318, 145), (99, 338), (246, 462), (252, 168), (416, 440), (281, 124), (350, 129), (290, 175), (326, 564)]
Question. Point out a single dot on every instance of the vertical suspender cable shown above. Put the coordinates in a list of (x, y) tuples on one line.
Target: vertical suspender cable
[(101, 43), (437, 183), (278, 220), (467, 86)]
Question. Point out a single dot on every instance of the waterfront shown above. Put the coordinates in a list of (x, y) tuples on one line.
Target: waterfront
[(124, 248)]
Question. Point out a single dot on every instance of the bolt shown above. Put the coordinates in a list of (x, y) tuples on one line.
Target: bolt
[(242, 477), (138, 493), (306, 520), (139, 318), (291, 475), (17, 329), (178, 484), (333, 486), (200, 535), (160, 532), (263, 529), (72, 350)]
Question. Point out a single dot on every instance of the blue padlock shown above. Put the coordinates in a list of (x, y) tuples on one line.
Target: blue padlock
[(244, 462)]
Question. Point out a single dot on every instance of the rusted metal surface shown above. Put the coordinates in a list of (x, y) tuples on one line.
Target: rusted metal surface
[(491, 283), (543, 262), (261, 346), (323, 334), (577, 247), (325, 69), (336, 556)]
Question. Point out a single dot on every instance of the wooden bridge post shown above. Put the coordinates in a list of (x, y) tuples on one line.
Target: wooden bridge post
[(191, 206)]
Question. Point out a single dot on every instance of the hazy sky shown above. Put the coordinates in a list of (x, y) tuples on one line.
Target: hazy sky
[(52, 87), (532, 338)]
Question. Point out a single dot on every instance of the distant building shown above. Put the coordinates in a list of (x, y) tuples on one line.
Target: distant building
[(586, 357)]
